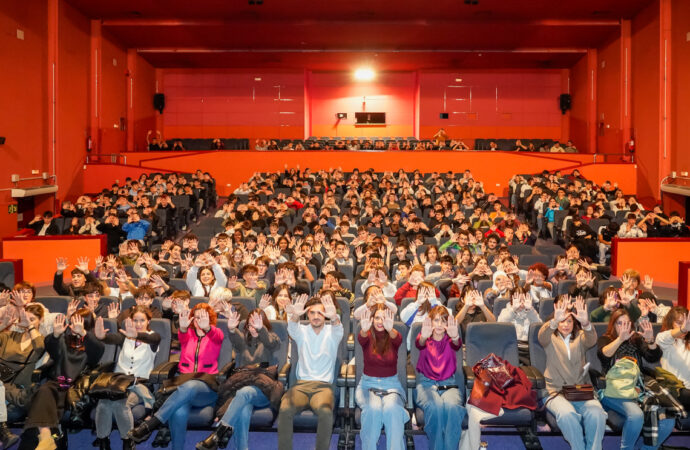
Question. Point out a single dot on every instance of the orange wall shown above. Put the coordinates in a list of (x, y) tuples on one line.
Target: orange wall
[(24, 90), (645, 97), (113, 103), (657, 258), (97, 177), (144, 114), (579, 90), (609, 97), (493, 168), (680, 48)]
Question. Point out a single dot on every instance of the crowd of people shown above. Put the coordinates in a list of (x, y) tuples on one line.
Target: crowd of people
[(401, 251)]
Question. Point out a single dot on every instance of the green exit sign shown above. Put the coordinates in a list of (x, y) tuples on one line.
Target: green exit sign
[(11, 209)]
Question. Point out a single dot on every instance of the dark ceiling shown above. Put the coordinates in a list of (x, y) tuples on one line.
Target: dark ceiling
[(339, 35)]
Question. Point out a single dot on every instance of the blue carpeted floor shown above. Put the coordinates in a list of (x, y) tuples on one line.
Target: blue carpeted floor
[(269, 441)]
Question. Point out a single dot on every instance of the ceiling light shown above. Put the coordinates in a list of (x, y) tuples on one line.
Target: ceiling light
[(257, 78), (364, 74), (459, 80)]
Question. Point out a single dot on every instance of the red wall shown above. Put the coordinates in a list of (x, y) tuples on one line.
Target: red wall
[(579, 90), (645, 97), (495, 104), (680, 48), (144, 114), (113, 102), (226, 103), (609, 138), (391, 92)]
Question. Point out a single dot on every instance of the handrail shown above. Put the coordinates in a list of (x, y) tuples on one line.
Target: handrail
[(108, 158), (623, 157)]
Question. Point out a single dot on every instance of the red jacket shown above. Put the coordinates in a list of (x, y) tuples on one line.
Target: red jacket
[(518, 394), (408, 291)]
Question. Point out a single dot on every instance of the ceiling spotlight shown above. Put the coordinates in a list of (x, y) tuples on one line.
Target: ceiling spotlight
[(459, 80), (364, 74)]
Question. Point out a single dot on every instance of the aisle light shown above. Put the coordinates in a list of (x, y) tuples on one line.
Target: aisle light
[(364, 74)]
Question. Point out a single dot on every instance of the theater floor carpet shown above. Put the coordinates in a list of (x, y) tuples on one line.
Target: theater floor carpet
[(269, 441)]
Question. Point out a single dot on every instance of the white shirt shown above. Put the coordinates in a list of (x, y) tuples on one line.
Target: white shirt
[(676, 358), (317, 352), (388, 289), (522, 319), (135, 360)]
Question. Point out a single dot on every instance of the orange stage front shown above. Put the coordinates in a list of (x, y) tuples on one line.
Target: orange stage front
[(656, 257), (230, 168), (39, 254)]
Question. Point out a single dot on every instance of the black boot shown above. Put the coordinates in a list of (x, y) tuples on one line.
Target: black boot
[(144, 430), (102, 443), (212, 442), (128, 444), (60, 438), (7, 438), (162, 438)]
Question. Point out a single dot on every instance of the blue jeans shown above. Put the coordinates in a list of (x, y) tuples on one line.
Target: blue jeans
[(382, 411), (239, 413), (443, 412), (175, 410), (582, 423), (634, 419)]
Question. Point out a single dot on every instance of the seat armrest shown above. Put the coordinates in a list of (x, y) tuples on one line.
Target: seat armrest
[(165, 371), (469, 377), (349, 373), (224, 373), (284, 373), (535, 377), (350, 342), (411, 377)]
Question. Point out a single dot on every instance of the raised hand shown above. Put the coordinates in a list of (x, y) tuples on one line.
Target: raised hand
[(17, 298), (647, 331), (232, 282), (129, 329), (265, 301), (476, 298), (560, 311), (371, 278), (72, 307), (388, 320), (452, 328), (233, 320), (83, 264), (185, 319), (77, 324), (365, 321), (648, 282), (625, 332), (625, 297), (4, 297), (427, 328), (99, 328), (203, 321), (581, 312), (297, 308), (329, 308), (99, 262), (627, 281), (113, 310), (686, 323), (23, 320), (61, 264), (256, 321)]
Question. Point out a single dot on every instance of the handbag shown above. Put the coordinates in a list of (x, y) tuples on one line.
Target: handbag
[(622, 379), (111, 386), (578, 392), (8, 374), (494, 369)]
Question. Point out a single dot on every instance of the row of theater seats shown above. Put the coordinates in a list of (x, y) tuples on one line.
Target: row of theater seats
[(207, 144), (480, 340)]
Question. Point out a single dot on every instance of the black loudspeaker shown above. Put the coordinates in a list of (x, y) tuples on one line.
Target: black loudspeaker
[(566, 102), (2, 140), (443, 115), (341, 115), (159, 102)]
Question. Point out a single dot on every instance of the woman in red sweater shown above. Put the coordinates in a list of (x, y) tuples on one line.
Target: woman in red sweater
[(379, 392)]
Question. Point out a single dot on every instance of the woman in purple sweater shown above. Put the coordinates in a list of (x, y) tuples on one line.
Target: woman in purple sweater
[(200, 342), (379, 392), (438, 393)]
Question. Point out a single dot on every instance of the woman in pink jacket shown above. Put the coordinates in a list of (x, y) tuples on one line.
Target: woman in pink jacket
[(200, 343)]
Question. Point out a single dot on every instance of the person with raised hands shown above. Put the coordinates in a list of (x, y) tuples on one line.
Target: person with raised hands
[(138, 347), (417, 311), (253, 347), (521, 313), (275, 306), (205, 275), (317, 345), (80, 275), (612, 299), (73, 347), (471, 307), (409, 289), (373, 296), (438, 394), (565, 339), (674, 340), (621, 341), (200, 342), (379, 392)]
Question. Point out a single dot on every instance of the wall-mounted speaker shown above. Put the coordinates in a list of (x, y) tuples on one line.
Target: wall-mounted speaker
[(443, 115), (159, 102), (2, 140), (566, 102)]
